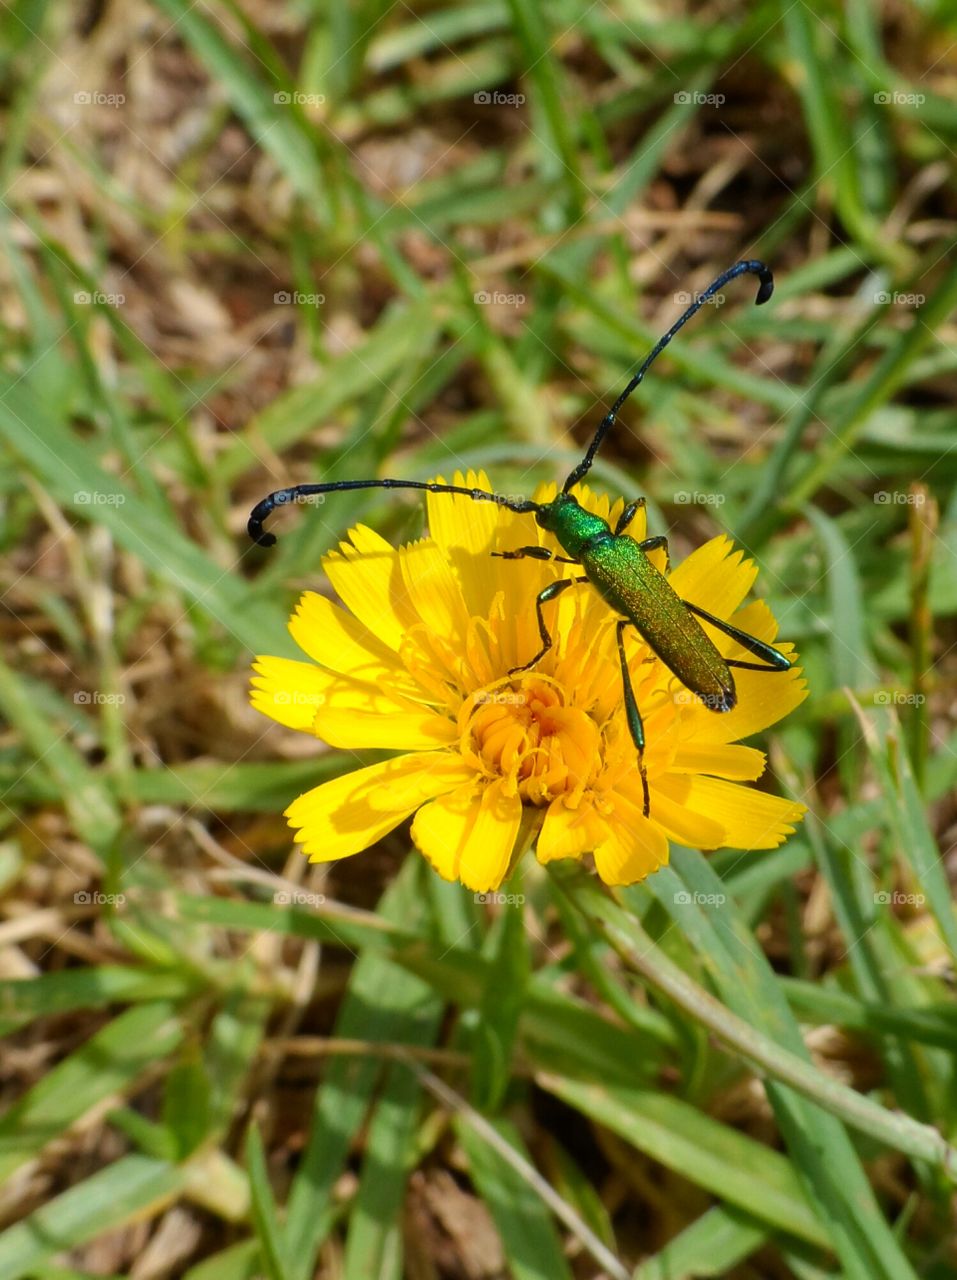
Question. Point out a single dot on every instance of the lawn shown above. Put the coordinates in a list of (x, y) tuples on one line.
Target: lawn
[(246, 246)]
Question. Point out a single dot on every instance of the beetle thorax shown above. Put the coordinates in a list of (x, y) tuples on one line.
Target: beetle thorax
[(575, 528)]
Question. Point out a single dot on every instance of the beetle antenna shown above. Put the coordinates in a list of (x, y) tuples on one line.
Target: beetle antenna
[(300, 492), (765, 289)]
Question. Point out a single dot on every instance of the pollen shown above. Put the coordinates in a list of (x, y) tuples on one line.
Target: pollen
[(526, 733)]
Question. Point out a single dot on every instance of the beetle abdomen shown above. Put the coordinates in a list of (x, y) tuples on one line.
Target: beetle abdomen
[(633, 587)]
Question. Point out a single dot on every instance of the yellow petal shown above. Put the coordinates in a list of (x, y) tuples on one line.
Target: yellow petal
[(764, 698), (458, 523), (348, 814), (411, 730), (635, 846), (751, 819), (345, 712), (366, 575), (469, 834), (464, 530), (288, 691), (756, 619), (742, 764), (568, 833), (335, 640), (432, 589), (715, 577), (670, 812)]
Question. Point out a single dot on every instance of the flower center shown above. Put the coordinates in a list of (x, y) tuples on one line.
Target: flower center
[(523, 731)]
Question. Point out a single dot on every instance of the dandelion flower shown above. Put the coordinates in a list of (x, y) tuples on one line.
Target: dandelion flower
[(416, 660)]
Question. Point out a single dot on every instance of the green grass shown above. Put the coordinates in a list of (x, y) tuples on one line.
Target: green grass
[(204, 1077)]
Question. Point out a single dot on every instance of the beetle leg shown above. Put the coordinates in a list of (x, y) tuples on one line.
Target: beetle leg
[(773, 659), (533, 553), (657, 543), (549, 593), (635, 727), (629, 513)]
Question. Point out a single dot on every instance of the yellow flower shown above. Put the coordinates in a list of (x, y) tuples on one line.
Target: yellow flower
[(417, 662)]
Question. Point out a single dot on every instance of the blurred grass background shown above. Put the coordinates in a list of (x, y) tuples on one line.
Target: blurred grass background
[(245, 245)]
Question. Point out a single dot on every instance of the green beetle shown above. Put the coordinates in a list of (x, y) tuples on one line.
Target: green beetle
[(614, 563)]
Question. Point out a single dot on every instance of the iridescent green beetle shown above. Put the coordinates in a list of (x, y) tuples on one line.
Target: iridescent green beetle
[(613, 562)]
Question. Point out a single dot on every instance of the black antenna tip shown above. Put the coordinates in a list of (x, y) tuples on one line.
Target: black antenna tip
[(261, 511), (765, 288), (254, 527)]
